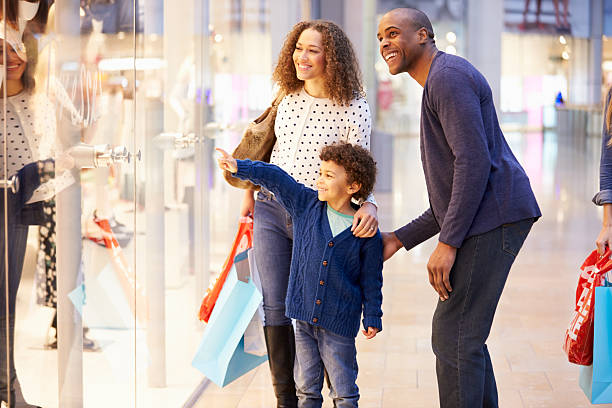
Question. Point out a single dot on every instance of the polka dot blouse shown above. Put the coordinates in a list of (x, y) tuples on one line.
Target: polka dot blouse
[(18, 147), (30, 131), (305, 124)]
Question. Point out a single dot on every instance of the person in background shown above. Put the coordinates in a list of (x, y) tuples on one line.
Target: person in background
[(28, 142), (604, 196)]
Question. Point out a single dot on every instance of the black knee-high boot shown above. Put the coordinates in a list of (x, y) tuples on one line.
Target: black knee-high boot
[(280, 343), (19, 398)]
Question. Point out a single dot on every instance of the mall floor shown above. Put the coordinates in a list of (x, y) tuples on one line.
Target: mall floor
[(397, 367)]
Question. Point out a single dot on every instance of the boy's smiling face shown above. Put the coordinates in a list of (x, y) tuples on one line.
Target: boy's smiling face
[(332, 183)]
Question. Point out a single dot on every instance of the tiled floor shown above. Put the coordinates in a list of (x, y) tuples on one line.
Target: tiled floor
[(397, 367)]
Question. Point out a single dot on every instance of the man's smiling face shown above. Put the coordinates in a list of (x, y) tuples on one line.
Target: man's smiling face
[(400, 44)]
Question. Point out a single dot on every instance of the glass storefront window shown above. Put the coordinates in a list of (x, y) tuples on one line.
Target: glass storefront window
[(131, 97)]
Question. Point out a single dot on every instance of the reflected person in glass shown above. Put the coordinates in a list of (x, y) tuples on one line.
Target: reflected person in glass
[(324, 103), (30, 132)]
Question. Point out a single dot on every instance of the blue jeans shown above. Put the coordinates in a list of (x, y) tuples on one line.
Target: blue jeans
[(316, 350), (273, 244), (17, 240), (461, 324)]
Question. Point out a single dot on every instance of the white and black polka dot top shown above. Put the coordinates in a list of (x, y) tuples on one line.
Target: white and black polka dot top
[(30, 131), (18, 147), (304, 124)]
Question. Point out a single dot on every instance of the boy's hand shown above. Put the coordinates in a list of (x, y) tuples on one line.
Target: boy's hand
[(390, 244), (227, 162), (370, 333)]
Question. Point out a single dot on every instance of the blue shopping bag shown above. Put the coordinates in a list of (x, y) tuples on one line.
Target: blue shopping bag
[(596, 380), (221, 356)]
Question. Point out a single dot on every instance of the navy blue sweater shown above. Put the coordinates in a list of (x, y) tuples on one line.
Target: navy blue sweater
[(332, 279), (474, 182)]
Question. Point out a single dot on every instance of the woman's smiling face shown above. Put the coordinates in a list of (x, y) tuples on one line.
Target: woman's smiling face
[(15, 66), (309, 56)]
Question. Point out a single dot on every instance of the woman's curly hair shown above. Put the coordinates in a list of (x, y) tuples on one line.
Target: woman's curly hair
[(358, 163), (342, 75)]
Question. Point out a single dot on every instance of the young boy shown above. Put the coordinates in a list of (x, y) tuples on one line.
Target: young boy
[(334, 275)]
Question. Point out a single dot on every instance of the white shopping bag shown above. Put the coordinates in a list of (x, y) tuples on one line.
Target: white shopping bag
[(254, 340)]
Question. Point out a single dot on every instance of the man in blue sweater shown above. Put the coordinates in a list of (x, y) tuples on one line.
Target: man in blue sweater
[(334, 275), (481, 203)]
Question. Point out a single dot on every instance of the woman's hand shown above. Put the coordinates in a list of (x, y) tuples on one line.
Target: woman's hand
[(604, 239), (248, 204), (605, 235), (365, 221), (227, 162)]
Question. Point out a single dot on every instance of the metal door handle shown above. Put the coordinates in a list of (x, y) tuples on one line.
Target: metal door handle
[(170, 140), (93, 156), (12, 183)]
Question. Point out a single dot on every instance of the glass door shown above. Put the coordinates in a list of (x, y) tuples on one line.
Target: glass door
[(120, 220)]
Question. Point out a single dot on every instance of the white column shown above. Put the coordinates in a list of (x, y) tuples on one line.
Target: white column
[(68, 202), (485, 20), (155, 204), (203, 147), (283, 16), (595, 50)]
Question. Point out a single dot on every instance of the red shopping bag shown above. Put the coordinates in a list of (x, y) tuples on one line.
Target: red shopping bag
[(578, 343), (242, 242)]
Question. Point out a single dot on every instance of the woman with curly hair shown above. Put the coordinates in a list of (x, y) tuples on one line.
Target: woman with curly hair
[(323, 103)]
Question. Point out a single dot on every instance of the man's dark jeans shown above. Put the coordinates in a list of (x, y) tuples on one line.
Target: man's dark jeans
[(461, 324)]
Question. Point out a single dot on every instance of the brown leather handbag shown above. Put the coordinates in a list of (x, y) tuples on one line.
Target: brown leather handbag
[(257, 143)]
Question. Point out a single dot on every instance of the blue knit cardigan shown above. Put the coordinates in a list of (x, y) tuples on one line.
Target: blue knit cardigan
[(332, 279)]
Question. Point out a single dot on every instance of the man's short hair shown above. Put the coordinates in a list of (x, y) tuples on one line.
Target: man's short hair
[(358, 163), (417, 19)]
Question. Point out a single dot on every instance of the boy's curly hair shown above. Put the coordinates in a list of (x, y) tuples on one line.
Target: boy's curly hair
[(358, 163), (342, 75)]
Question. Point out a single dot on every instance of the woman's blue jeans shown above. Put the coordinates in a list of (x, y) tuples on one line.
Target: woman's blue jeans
[(273, 244), (17, 240), (461, 324)]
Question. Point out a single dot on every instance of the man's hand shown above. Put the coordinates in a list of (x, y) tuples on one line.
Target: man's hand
[(365, 221), (370, 333), (227, 162), (440, 263), (390, 244)]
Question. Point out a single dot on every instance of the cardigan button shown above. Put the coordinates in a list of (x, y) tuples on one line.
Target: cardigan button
[(324, 263), (315, 320), (318, 302), (331, 244), (321, 282)]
